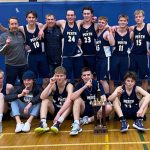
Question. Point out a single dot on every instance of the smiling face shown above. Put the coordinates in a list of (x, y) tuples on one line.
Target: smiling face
[(123, 21), (70, 16), (13, 24), (28, 83), (86, 76), (50, 21), (87, 15), (101, 24), (31, 19)]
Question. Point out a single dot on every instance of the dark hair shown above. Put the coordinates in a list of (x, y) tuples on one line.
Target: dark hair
[(31, 12), (85, 69), (123, 16), (130, 74), (13, 17), (88, 8)]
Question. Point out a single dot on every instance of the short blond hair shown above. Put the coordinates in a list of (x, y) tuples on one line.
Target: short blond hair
[(139, 12), (60, 70), (103, 18)]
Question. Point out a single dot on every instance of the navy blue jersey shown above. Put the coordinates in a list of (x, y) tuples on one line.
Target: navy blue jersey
[(33, 41), (139, 40), (89, 94), (122, 44), (88, 37), (4, 89), (102, 46), (59, 98), (129, 101), (71, 36)]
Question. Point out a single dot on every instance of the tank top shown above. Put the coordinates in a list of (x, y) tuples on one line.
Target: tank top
[(140, 39), (71, 36), (128, 101), (122, 44), (59, 98), (88, 37), (33, 41), (102, 46)]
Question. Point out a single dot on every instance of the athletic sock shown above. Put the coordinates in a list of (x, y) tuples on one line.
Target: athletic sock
[(1, 116)]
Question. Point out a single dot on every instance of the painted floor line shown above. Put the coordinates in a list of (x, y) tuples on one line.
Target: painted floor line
[(106, 141), (75, 144), (111, 130)]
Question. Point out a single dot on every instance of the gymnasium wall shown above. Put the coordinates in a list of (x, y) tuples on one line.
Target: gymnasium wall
[(108, 8)]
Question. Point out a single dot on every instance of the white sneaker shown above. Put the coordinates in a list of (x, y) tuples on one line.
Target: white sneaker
[(26, 127), (19, 127)]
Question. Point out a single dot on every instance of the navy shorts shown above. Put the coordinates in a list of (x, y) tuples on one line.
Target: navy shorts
[(118, 67), (90, 62), (130, 113), (39, 65), (73, 66), (88, 111), (102, 69), (139, 64)]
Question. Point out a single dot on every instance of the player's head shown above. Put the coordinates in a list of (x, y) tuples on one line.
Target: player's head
[(60, 74), (87, 13), (31, 17), (102, 22), (123, 20), (86, 74), (28, 78), (130, 79), (70, 16), (139, 16)]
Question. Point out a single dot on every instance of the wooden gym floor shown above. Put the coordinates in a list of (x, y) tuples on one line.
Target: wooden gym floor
[(86, 140)]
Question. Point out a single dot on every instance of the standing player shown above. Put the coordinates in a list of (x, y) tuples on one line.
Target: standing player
[(36, 59), (139, 59), (127, 102), (88, 36), (71, 49), (120, 59), (104, 40)]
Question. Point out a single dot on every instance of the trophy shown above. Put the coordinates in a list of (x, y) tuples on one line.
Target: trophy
[(99, 123)]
